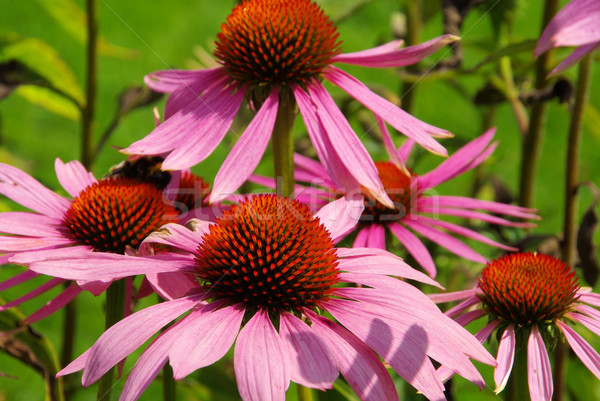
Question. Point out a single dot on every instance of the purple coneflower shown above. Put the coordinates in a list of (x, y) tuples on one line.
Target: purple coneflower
[(531, 300), (577, 24), (81, 237), (266, 272), (416, 209), (275, 51)]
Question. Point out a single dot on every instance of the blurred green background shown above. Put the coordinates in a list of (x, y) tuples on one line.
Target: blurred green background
[(143, 36)]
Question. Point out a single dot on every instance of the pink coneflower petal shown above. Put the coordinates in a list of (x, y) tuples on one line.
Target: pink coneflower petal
[(451, 296), (148, 366), (128, 334), (460, 230), (313, 167), (340, 216), (18, 279), (590, 298), (445, 240), (359, 365), (19, 244), (539, 372), (78, 252), (395, 157), (396, 117), (203, 338), (47, 286), (361, 238), (346, 144), (29, 224), (575, 25), (259, 362), (458, 162), (188, 93), (574, 57), (27, 191), (54, 304), (388, 55), (177, 236), (168, 285), (376, 238), (385, 263), (505, 358), (461, 307), (588, 311), (309, 361), (73, 176), (168, 81), (592, 323), (584, 351), (75, 366), (247, 152), (474, 215), (470, 203), (415, 247), (177, 133)]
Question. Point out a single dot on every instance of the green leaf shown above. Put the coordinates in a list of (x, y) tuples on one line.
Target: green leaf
[(31, 348), (72, 19), (42, 59), (49, 100)]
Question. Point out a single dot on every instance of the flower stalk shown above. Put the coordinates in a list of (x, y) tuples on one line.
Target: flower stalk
[(518, 387), (283, 142), (532, 141), (115, 306)]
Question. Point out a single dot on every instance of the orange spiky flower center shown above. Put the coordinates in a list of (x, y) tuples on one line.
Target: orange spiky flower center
[(397, 185), (268, 252), (114, 213), (528, 288), (266, 42), (192, 191)]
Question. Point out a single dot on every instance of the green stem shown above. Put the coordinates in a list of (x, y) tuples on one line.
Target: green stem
[(115, 307), (533, 139), (283, 144), (91, 82), (413, 36), (305, 393), (69, 324), (570, 216), (517, 388), (169, 384)]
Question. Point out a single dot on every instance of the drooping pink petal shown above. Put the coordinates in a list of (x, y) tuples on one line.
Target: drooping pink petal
[(309, 360), (178, 236), (186, 135), (462, 306), (27, 191), (590, 298), (445, 240), (574, 57), (148, 365), (75, 366), (389, 56), (471, 203), (128, 334), (582, 349), (54, 304), (259, 362), (75, 251), (18, 279), (73, 176), (405, 149), (456, 163), (336, 169), (346, 144), (170, 285), (191, 91), (388, 264), (451, 296), (415, 247), (474, 215), (405, 354), (575, 25), (167, 81), (104, 267), (376, 237), (313, 167), (203, 338), (539, 373), (588, 316), (466, 232), (248, 150), (361, 237), (47, 286), (341, 216), (505, 358), (10, 244), (30, 224), (395, 157), (359, 365), (410, 126)]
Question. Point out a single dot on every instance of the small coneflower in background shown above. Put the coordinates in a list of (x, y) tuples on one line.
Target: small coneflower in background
[(100, 227), (266, 273), (578, 25), (274, 53), (416, 208), (531, 301)]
